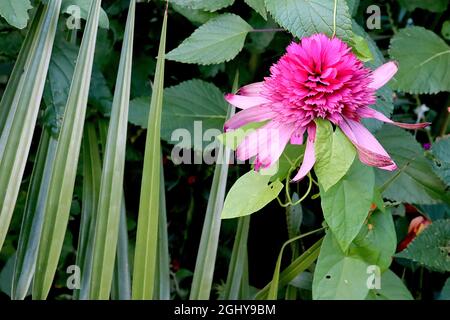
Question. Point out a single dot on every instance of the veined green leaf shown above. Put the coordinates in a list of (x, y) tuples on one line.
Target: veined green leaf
[(218, 40), (17, 134), (207, 5), (147, 229), (346, 205), (63, 174), (392, 288), (18, 71), (334, 154), (250, 193), (422, 69), (15, 12), (92, 171), (306, 17), (431, 248), (338, 275), (111, 188), (33, 218), (259, 6), (206, 256)]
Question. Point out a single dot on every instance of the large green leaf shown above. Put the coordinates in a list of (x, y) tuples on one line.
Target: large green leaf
[(15, 12), (17, 134), (207, 5), (441, 163), (218, 40), (250, 193), (422, 69), (111, 190), (146, 250), (414, 181), (63, 175), (431, 248), (339, 276), (346, 205), (307, 17), (84, 6), (431, 5), (334, 154), (376, 241), (184, 104), (391, 288)]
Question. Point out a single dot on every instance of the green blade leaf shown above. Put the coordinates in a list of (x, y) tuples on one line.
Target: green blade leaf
[(417, 63), (33, 217), (92, 171), (147, 230), (121, 286), (162, 283), (339, 276), (306, 17), (24, 55), (238, 260), (218, 40), (17, 134), (334, 154), (346, 205), (296, 267), (15, 12), (111, 190), (63, 174), (431, 248), (84, 6), (250, 193), (209, 241)]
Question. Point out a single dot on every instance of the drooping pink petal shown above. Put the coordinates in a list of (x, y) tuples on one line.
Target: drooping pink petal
[(383, 74), (310, 155), (245, 102), (366, 112), (271, 148), (255, 114), (251, 90), (297, 136), (369, 149)]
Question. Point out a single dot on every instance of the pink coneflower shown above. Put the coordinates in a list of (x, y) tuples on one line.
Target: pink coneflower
[(317, 78)]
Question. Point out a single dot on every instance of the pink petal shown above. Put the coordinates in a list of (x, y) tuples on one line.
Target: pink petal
[(297, 136), (309, 158), (383, 74), (251, 90), (271, 148), (369, 149), (255, 114), (245, 102), (366, 112)]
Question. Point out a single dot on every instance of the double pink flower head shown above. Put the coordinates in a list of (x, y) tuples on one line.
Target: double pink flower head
[(317, 78)]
